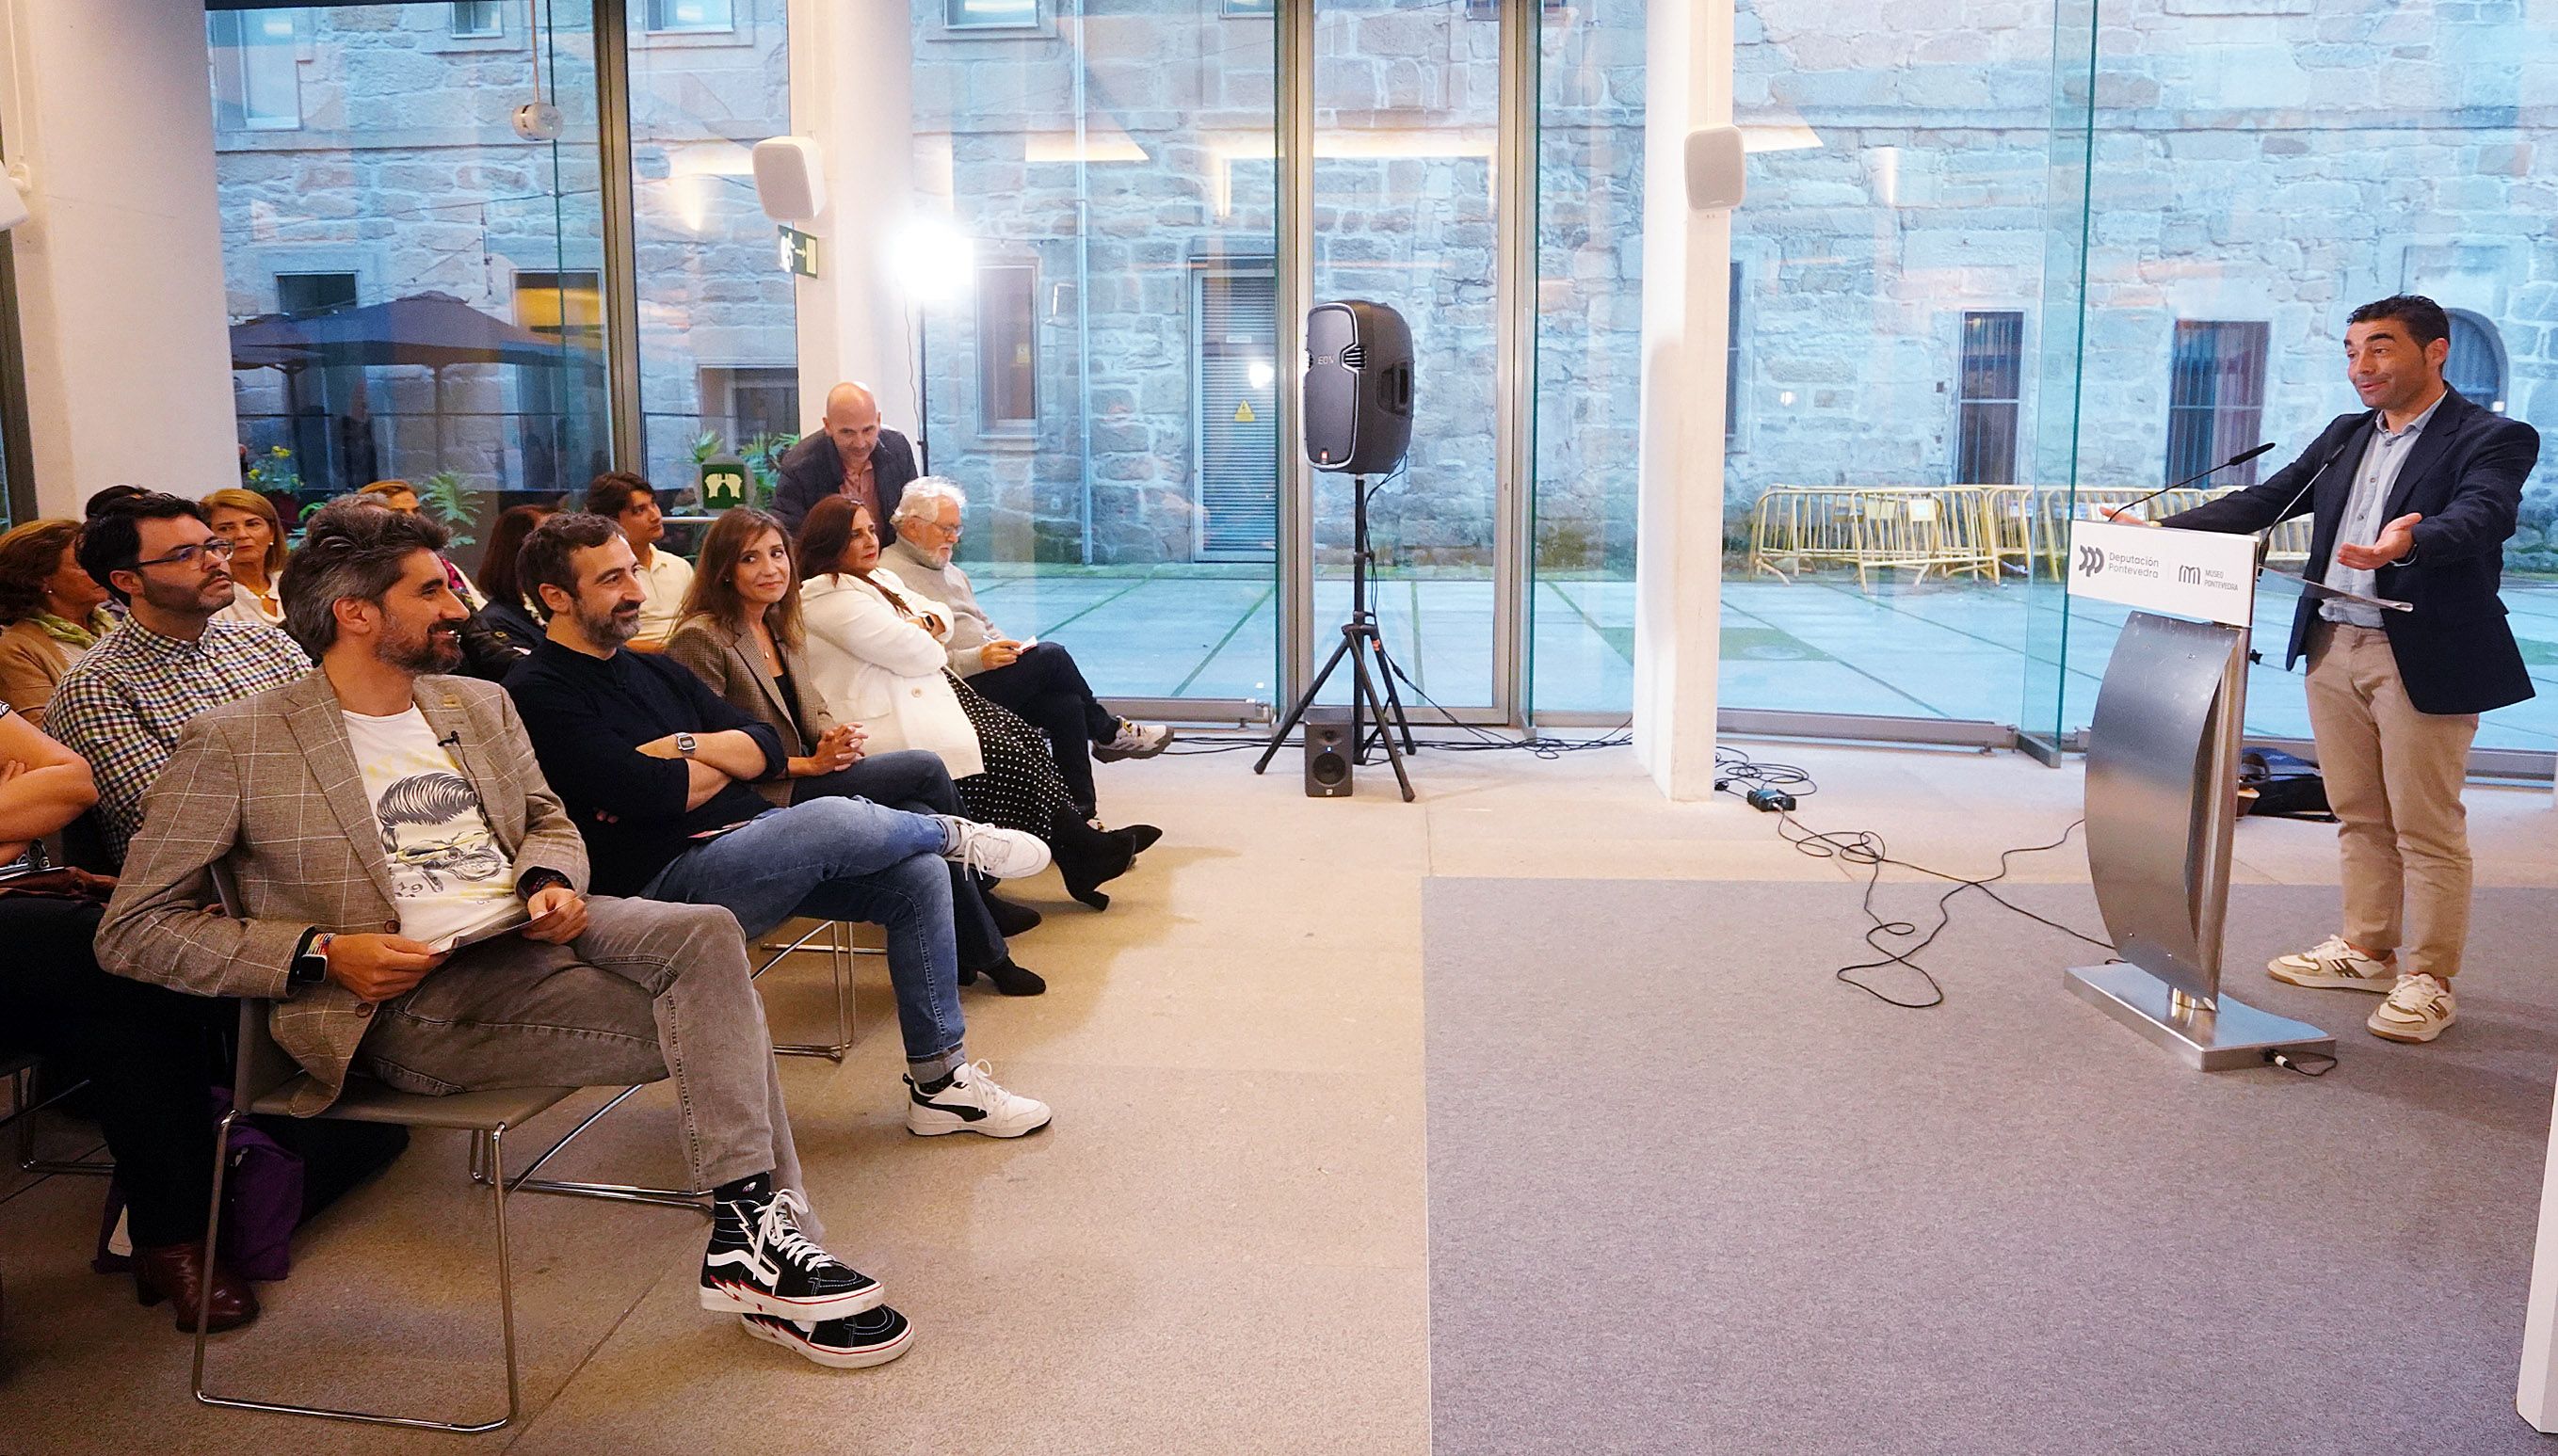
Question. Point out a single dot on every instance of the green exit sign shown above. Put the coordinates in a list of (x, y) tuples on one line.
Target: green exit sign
[(799, 252), (723, 484)]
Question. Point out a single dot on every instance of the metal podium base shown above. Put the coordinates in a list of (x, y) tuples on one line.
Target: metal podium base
[(2234, 1035)]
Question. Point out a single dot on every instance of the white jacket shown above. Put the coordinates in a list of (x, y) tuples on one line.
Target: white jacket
[(884, 672)]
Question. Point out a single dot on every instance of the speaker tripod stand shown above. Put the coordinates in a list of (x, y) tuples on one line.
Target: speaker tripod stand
[(1362, 639)]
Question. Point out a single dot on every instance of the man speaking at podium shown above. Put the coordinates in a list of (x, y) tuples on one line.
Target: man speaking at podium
[(2414, 498)]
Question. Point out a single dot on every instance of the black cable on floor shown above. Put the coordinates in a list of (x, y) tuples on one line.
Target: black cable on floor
[(1736, 773)]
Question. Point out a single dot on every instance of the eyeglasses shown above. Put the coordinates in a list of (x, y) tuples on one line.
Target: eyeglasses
[(220, 549)]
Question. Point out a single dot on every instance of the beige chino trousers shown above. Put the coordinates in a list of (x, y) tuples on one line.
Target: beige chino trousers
[(2394, 777)]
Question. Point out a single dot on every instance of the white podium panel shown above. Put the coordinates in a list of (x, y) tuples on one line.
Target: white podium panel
[(2210, 576)]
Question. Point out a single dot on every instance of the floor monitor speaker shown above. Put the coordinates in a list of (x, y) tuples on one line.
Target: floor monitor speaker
[(1359, 387), (1328, 753)]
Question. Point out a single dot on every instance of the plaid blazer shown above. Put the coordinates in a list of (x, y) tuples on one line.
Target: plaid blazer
[(268, 785)]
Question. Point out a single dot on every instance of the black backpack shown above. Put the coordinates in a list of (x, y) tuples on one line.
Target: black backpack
[(2276, 784)]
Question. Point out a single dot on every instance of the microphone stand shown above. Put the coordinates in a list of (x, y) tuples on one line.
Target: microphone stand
[(2240, 458), (1361, 638)]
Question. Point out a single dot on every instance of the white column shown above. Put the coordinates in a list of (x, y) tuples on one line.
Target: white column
[(1679, 562), (109, 108), (852, 91)]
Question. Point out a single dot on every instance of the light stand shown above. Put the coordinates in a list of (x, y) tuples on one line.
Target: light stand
[(1361, 640)]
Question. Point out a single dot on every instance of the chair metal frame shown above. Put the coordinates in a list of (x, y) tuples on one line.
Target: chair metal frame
[(20, 1068), (266, 1080), (839, 950)]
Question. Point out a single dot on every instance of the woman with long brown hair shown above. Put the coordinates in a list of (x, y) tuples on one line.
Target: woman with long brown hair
[(247, 520), (876, 648), (740, 631)]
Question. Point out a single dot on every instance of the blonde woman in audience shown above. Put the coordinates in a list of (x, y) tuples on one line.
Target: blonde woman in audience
[(248, 522), (53, 612), (878, 650)]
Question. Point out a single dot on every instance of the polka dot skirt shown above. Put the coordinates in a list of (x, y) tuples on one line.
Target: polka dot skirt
[(1021, 787)]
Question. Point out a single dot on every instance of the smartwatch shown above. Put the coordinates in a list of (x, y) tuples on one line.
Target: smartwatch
[(685, 744), (310, 963)]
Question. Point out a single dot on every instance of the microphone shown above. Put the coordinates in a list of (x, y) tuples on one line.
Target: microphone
[(2240, 458), (2332, 456), (452, 739)]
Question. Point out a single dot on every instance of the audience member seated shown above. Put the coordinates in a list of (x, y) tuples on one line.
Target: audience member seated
[(357, 939), (1040, 682), (53, 612), (145, 1051), (741, 634), (401, 497), (849, 455), (627, 501), (877, 653), (504, 628), (658, 774), (247, 520), (122, 706)]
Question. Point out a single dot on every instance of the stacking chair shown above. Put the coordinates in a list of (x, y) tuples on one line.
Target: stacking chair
[(267, 1081), (835, 940)]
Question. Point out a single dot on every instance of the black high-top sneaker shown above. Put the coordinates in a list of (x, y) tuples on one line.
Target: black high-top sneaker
[(758, 1263), (874, 1337)]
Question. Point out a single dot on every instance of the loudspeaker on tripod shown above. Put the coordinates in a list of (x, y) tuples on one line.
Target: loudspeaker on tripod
[(1359, 387), (1328, 753)]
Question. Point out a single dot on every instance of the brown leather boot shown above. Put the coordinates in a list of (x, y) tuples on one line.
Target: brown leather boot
[(178, 1272)]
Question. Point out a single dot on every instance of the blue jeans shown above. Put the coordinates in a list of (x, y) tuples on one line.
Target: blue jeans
[(843, 859)]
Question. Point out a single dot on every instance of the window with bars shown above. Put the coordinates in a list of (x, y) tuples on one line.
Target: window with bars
[(478, 20), (257, 77), (1989, 396), (2216, 397), (1008, 347), (1234, 407)]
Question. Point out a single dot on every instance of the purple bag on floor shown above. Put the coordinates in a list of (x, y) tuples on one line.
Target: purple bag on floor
[(262, 1204)]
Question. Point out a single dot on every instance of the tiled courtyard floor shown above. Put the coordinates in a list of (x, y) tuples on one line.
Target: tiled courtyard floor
[(1815, 644)]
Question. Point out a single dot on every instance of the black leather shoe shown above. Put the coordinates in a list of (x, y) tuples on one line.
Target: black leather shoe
[(1010, 919), (1014, 979)]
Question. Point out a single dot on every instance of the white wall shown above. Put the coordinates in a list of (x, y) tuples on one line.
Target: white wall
[(1678, 558), (108, 104), (851, 89)]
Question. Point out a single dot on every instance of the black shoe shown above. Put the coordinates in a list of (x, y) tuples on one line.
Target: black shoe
[(1087, 857), (1010, 919), (758, 1263), (1140, 837), (1014, 979), (873, 1337)]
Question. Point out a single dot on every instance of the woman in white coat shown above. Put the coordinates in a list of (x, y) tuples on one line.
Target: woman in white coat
[(875, 649)]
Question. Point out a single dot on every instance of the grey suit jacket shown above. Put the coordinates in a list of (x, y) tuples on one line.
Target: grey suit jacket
[(269, 786), (725, 658)]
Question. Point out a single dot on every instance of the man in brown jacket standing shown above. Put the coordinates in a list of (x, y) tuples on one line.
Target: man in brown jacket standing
[(410, 896)]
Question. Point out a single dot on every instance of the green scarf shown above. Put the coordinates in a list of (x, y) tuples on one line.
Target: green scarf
[(83, 638)]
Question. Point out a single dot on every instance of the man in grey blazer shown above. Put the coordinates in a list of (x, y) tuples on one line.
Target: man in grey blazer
[(409, 896)]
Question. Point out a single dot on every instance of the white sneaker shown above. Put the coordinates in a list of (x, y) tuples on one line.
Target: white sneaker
[(2418, 1008), (2335, 965), (1005, 853), (972, 1103), (1134, 741)]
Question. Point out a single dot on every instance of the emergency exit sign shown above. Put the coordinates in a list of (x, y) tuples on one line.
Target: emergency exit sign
[(798, 253)]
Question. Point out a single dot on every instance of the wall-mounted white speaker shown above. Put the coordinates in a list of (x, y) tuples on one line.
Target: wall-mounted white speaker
[(790, 178), (1715, 159)]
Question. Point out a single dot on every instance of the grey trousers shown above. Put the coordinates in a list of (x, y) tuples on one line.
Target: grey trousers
[(650, 990)]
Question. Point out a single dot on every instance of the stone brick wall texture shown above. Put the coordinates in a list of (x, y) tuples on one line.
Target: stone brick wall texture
[(2266, 161)]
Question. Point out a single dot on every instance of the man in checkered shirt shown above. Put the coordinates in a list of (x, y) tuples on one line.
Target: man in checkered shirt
[(122, 706)]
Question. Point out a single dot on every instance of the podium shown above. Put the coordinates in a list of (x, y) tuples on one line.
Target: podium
[(2163, 789)]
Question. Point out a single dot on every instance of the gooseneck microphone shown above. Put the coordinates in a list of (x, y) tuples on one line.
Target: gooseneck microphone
[(2240, 458), (2332, 456)]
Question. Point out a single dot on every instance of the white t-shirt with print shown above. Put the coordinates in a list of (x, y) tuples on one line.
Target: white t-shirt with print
[(449, 872)]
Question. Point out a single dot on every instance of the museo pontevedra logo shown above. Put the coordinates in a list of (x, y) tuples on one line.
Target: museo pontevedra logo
[(2091, 560)]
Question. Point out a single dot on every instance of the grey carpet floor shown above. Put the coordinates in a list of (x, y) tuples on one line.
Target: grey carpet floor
[(1687, 1193)]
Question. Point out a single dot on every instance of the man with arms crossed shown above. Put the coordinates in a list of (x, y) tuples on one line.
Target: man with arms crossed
[(2414, 497), (376, 811)]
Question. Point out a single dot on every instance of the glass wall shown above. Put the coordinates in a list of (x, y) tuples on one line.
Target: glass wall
[(416, 288), (1589, 355), (2251, 171), (1096, 274), (719, 368)]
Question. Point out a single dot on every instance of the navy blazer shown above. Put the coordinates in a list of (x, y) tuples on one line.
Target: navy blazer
[(812, 471), (2464, 477)]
